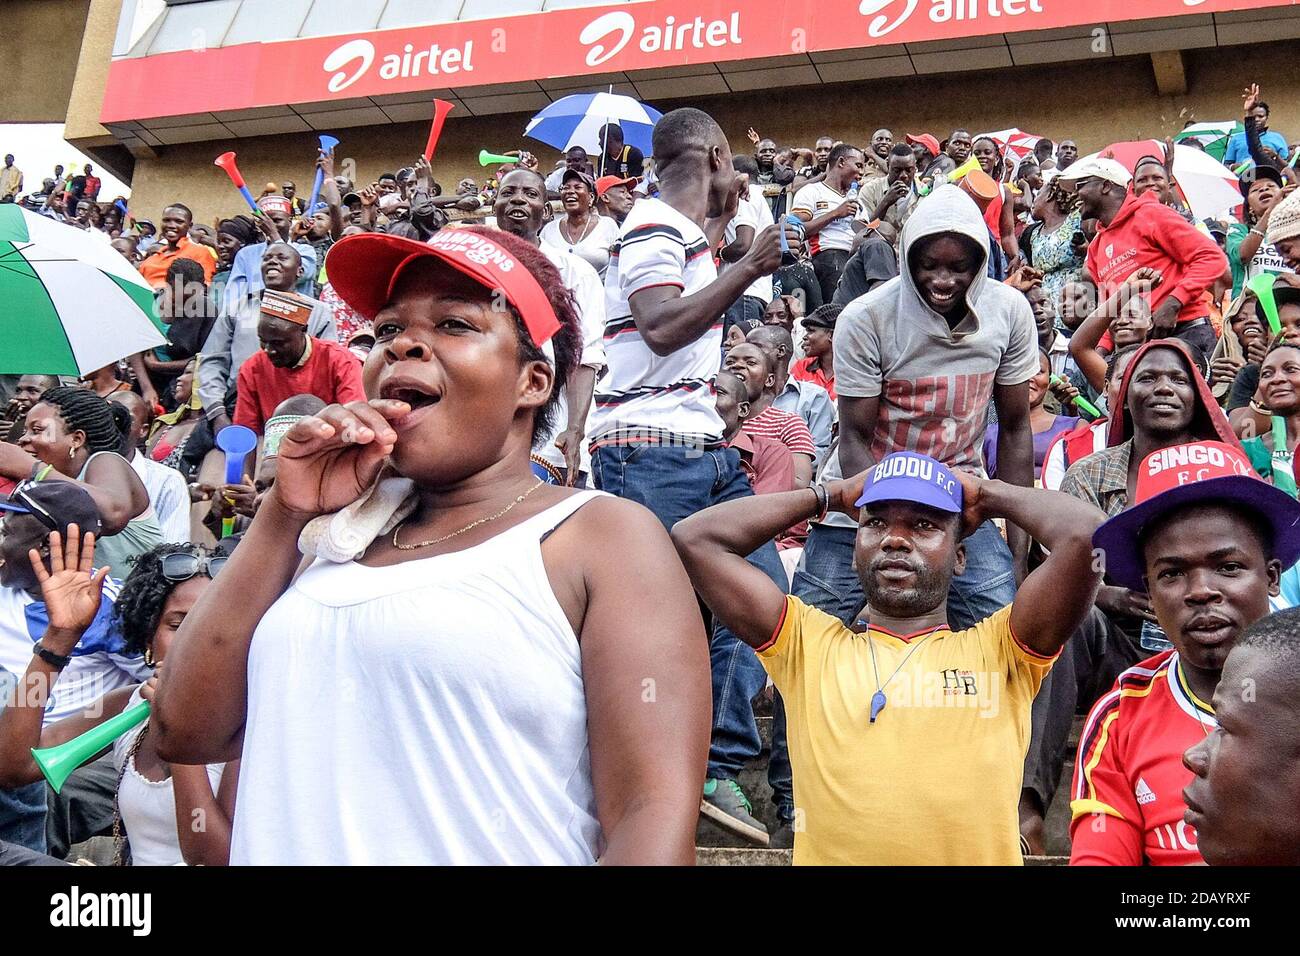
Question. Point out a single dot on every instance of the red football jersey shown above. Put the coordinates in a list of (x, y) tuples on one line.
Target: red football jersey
[(1127, 798)]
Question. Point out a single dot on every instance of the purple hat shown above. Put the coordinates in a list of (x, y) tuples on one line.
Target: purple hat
[(907, 476), (1207, 471)]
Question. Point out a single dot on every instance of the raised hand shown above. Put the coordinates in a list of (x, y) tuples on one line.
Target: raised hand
[(1023, 278), (329, 459), (753, 135), (71, 588), (1143, 280), (1250, 98)]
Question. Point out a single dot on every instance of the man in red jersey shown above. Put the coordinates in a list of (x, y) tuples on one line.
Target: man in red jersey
[(1208, 541)]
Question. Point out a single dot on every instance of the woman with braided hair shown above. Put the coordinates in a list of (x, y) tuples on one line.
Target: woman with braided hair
[(74, 435), (157, 804)]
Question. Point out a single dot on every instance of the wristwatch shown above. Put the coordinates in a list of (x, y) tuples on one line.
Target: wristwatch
[(54, 660)]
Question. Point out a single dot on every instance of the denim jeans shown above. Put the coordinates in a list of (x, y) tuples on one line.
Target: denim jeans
[(22, 809), (748, 310), (674, 483), (825, 579), (22, 816)]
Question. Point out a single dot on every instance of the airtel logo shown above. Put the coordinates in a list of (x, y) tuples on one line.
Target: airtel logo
[(881, 25), (598, 30), (353, 50)]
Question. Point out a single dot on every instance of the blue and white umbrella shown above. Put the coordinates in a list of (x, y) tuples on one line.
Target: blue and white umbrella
[(576, 121)]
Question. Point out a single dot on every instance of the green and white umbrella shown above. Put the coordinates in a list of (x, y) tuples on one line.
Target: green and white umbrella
[(1213, 137), (69, 303)]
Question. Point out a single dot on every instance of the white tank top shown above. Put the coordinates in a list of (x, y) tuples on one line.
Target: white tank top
[(431, 712), (148, 807)]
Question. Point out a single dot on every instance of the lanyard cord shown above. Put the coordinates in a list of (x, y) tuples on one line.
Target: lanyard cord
[(878, 699)]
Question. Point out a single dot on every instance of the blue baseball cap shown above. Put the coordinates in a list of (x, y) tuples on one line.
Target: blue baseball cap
[(55, 504), (907, 476)]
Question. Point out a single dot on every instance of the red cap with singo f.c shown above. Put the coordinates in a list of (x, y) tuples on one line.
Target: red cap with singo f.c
[(1209, 472)]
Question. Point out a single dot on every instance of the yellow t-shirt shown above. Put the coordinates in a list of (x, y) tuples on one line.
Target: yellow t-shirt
[(936, 779)]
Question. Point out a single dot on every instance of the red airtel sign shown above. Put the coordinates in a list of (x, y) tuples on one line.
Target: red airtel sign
[(576, 42)]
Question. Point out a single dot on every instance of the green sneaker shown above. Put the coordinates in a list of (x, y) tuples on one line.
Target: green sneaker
[(726, 805)]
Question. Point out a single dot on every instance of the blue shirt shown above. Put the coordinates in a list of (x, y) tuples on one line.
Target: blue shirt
[(813, 404), (1238, 152), (246, 274)]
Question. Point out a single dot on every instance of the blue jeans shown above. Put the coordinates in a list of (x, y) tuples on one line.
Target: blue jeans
[(825, 579), (22, 816), (674, 483), (749, 310), (22, 809)]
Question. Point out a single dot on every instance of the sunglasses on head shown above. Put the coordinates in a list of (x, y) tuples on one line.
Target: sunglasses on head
[(182, 566)]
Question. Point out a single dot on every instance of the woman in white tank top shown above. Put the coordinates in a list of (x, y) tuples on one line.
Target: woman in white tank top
[(159, 806), (476, 667)]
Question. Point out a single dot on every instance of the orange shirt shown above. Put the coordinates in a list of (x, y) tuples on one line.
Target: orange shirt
[(155, 266), (804, 372)]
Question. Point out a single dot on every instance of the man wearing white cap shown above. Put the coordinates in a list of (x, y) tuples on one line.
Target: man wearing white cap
[(1136, 232)]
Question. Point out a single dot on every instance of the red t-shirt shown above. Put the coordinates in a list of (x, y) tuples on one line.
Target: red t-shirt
[(1127, 797), (331, 373), (767, 464), (804, 372)]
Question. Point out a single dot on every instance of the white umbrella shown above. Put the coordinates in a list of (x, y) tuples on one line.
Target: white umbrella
[(1212, 190)]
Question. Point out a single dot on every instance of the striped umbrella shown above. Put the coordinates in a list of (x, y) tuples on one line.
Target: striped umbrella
[(576, 121), (1016, 144), (69, 303)]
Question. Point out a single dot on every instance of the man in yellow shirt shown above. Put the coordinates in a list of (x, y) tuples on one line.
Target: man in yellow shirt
[(11, 180), (907, 740)]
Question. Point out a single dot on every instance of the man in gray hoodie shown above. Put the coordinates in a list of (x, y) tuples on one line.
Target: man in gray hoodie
[(919, 362)]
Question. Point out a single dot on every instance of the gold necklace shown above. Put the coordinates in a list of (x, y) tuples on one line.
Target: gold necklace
[(469, 527)]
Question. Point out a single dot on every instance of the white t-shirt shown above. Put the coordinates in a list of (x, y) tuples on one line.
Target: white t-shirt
[(645, 396), (97, 665), (593, 247), (428, 713), (754, 212), (819, 199), (168, 494), (589, 294)]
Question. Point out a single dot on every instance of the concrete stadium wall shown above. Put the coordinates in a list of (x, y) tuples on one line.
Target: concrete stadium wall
[(1094, 103), (40, 41)]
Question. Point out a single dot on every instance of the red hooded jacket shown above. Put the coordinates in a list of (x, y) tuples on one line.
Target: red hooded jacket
[(1145, 233), (1208, 421)]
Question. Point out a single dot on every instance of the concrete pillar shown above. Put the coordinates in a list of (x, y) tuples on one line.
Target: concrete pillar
[(1171, 72)]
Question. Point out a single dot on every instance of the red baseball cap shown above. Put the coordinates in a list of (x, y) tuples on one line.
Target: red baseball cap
[(605, 183), (364, 269), (926, 140), (1171, 478)]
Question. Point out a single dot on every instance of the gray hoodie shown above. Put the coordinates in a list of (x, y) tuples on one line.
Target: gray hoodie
[(935, 384)]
